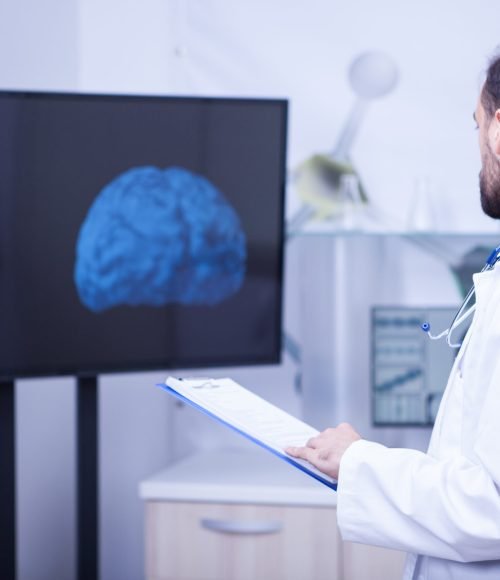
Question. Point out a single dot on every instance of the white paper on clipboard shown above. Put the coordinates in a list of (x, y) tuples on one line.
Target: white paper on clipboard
[(250, 415)]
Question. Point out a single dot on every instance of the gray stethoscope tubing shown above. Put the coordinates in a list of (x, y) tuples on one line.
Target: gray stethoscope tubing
[(463, 312)]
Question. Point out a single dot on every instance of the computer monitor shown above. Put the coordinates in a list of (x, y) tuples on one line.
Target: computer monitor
[(139, 232)]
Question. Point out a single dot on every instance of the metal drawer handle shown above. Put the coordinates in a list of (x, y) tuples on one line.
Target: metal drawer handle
[(241, 527)]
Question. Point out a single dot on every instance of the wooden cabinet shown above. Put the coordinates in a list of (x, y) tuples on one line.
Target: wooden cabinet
[(234, 515), (204, 541)]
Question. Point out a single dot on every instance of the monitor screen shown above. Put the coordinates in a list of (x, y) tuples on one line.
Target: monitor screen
[(139, 232), (409, 371)]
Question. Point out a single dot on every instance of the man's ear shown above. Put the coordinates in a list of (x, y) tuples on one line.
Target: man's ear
[(496, 133)]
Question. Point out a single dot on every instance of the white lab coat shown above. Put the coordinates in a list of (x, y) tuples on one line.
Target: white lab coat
[(442, 507)]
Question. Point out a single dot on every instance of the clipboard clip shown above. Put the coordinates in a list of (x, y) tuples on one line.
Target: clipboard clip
[(206, 384)]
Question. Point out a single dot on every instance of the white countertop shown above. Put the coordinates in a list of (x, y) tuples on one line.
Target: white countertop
[(236, 476)]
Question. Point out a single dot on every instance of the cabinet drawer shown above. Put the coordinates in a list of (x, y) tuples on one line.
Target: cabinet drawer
[(196, 541)]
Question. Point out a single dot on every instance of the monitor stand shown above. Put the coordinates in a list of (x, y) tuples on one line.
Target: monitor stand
[(87, 424), (87, 477), (7, 480)]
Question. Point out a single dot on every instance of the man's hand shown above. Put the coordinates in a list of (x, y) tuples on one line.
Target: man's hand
[(325, 451)]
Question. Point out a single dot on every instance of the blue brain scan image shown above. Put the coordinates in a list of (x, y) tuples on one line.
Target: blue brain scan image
[(159, 236)]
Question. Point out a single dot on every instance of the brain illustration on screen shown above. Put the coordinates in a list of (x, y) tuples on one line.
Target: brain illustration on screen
[(159, 236)]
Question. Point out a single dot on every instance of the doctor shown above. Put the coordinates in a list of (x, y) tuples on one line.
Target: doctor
[(443, 507)]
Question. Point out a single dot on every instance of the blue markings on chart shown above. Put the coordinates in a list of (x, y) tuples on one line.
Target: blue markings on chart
[(159, 236), (398, 322), (400, 380)]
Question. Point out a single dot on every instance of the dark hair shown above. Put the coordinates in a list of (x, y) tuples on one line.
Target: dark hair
[(490, 95)]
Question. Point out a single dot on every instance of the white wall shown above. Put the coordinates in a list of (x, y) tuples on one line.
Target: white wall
[(46, 481), (39, 45), (264, 48)]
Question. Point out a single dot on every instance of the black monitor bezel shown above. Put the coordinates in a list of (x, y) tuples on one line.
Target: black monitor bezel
[(8, 374)]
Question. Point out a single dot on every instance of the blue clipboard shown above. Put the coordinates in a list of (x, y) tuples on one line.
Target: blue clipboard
[(287, 458)]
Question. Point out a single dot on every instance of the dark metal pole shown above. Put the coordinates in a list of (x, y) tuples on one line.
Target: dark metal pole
[(7, 480), (87, 479)]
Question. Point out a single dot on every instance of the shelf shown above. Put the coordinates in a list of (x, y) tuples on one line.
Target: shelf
[(374, 223), (449, 246), (349, 233)]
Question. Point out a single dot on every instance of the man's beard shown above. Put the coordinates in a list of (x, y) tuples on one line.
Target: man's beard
[(489, 183)]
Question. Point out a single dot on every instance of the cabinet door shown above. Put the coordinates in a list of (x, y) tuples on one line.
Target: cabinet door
[(362, 562), (190, 541)]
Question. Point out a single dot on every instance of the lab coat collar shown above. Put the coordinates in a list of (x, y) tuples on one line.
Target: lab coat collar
[(485, 283)]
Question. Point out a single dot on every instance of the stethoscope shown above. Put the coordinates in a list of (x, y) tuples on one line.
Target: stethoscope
[(463, 312)]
